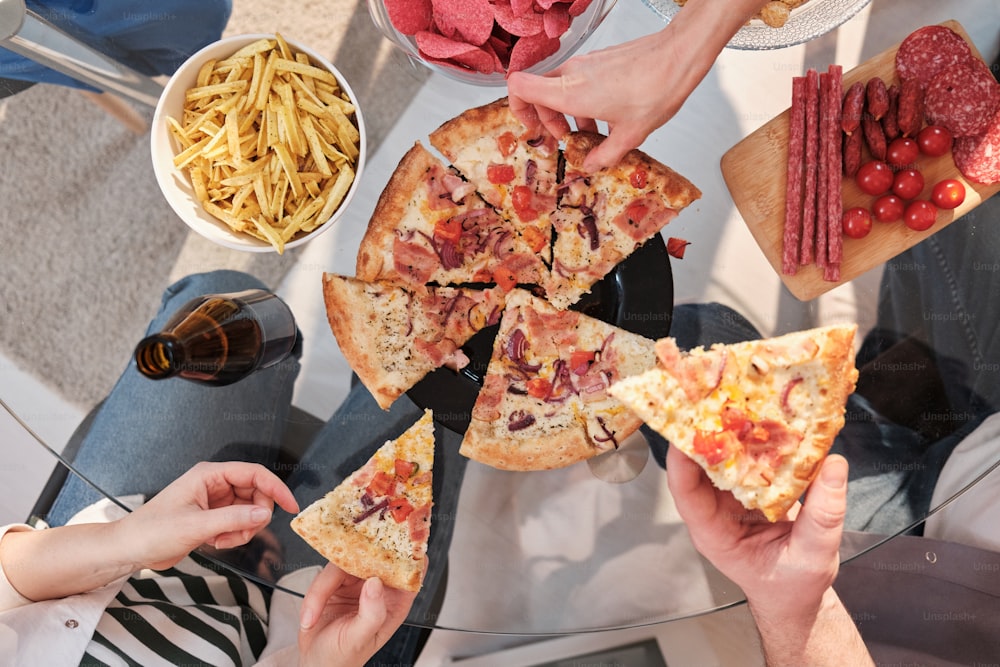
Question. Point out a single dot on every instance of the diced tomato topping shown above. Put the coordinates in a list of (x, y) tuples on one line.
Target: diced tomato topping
[(579, 361), (400, 508), (638, 178), (449, 229), (535, 238), (507, 144), (522, 199), (405, 469), (539, 387), (499, 174), (382, 484), (636, 211), (715, 447), (505, 279), (482, 276), (676, 247)]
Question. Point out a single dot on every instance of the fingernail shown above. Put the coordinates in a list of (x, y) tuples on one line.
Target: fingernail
[(260, 514), (374, 588), (833, 474), (308, 619)]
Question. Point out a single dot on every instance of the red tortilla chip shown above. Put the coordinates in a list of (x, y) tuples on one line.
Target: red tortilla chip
[(445, 17), (409, 16), (477, 20), (529, 51), (556, 20), (522, 25), (522, 7), (578, 7), (438, 46)]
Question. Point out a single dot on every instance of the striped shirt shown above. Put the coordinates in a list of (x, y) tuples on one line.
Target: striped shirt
[(195, 613)]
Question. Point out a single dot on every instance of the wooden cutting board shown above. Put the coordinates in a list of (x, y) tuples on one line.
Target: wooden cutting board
[(755, 173)]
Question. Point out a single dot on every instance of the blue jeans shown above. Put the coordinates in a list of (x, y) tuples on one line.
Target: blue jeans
[(148, 432), (152, 38)]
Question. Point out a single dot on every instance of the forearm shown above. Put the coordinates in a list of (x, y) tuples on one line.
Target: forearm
[(57, 562), (827, 637)]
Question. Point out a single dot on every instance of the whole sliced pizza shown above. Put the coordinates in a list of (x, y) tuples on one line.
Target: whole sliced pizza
[(758, 416), (376, 523)]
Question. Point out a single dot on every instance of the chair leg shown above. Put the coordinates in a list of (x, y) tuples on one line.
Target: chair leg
[(120, 109)]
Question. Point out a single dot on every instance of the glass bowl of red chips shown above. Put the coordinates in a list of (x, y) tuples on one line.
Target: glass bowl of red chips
[(481, 41)]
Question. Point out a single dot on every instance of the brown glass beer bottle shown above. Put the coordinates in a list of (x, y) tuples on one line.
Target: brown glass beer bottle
[(218, 339)]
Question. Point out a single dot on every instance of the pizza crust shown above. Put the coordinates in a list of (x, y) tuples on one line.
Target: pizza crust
[(806, 393)]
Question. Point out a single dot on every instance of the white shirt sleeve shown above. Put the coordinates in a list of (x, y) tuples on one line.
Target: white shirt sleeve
[(971, 518), (9, 597)]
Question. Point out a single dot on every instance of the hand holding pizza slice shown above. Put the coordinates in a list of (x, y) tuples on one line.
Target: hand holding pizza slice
[(758, 416)]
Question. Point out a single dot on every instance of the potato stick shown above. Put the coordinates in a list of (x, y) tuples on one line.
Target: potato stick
[(216, 89), (178, 133), (306, 70), (315, 146), (288, 165), (259, 46), (265, 82), (272, 236), (258, 70), (233, 136), (278, 198), (337, 193), (240, 198), (296, 140), (204, 73), (283, 46), (190, 153), (260, 190), (335, 100)]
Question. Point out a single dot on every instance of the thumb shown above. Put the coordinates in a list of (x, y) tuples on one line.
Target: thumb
[(817, 530), (610, 151)]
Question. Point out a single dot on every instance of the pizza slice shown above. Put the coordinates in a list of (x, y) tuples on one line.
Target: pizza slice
[(515, 170), (758, 416), (603, 217), (544, 402), (376, 523), (393, 335), (430, 226)]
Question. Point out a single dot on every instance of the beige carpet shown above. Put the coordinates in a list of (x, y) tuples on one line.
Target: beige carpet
[(87, 242)]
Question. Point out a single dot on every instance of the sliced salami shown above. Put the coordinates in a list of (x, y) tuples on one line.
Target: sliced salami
[(978, 158), (796, 166), (963, 98), (930, 50)]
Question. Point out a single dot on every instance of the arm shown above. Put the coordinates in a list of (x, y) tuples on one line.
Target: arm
[(786, 569), (348, 617), (222, 504), (635, 87)]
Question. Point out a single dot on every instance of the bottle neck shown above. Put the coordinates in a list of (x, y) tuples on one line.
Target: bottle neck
[(159, 356)]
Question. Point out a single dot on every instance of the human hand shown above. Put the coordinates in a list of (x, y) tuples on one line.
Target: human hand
[(219, 504), (784, 568), (345, 620)]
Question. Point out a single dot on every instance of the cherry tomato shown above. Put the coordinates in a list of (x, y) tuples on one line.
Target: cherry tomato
[(948, 194), (874, 178), (857, 222), (934, 140), (908, 184), (902, 152), (920, 215), (888, 208)]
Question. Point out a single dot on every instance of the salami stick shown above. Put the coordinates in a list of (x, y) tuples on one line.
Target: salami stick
[(822, 174), (793, 188), (834, 199), (811, 167)]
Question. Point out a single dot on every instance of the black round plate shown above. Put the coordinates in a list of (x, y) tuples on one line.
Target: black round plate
[(638, 296)]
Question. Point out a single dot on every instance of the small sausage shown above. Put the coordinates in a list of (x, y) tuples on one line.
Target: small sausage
[(910, 112), (889, 125), (877, 97), (854, 102), (874, 137), (852, 153)]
